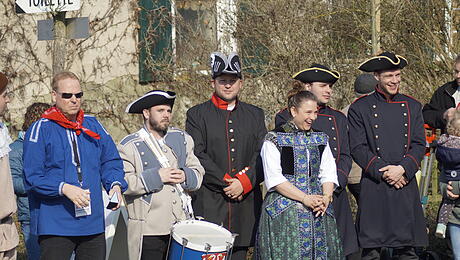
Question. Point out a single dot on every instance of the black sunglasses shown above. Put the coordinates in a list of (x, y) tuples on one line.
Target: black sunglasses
[(69, 95)]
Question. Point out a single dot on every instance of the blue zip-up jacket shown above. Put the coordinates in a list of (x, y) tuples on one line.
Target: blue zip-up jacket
[(449, 158), (49, 163)]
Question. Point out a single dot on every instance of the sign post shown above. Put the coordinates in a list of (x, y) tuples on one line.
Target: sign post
[(46, 6), (59, 44), (59, 29)]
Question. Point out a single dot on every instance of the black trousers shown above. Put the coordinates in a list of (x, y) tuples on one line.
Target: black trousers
[(61, 247), (239, 253), (154, 247), (401, 253), (355, 189)]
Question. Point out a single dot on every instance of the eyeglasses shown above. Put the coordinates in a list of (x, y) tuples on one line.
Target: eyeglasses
[(69, 95)]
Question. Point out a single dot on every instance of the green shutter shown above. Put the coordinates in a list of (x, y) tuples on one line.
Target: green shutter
[(154, 38), (255, 55)]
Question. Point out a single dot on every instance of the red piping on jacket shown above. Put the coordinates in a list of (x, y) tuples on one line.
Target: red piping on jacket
[(338, 140), (229, 169), (222, 104), (412, 157), (370, 162)]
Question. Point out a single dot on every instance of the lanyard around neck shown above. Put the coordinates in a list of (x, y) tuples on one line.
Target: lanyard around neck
[(77, 157)]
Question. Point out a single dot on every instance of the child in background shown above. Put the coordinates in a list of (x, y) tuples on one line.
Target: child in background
[(448, 155)]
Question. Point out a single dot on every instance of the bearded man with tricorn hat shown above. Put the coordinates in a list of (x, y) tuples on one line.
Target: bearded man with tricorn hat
[(387, 141), (160, 168), (228, 134)]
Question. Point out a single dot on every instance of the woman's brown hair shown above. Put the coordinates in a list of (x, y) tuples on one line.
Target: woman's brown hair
[(33, 113), (297, 86), (301, 96)]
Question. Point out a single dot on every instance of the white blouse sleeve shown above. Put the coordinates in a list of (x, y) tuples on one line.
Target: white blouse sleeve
[(271, 161), (328, 169)]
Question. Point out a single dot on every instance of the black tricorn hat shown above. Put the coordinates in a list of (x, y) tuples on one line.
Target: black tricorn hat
[(384, 61), (317, 73), (221, 64), (150, 99)]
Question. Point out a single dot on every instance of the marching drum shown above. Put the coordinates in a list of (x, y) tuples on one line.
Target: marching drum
[(199, 240)]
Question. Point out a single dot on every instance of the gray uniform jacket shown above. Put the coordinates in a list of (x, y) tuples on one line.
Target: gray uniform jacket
[(153, 207)]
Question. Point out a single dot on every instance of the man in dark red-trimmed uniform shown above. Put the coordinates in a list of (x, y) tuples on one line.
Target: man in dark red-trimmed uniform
[(228, 136), (319, 80), (387, 141)]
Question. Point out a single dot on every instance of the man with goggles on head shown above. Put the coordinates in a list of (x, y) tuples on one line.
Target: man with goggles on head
[(228, 135), (67, 156)]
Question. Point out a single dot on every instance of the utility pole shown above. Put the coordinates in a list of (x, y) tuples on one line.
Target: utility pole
[(59, 43), (375, 11), (448, 19)]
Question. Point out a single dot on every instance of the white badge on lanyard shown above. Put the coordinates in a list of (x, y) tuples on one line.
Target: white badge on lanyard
[(85, 211), (82, 212)]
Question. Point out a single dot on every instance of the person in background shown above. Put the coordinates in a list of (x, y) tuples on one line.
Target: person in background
[(68, 158), (448, 155), (9, 238), (364, 84), (33, 113), (444, 102)]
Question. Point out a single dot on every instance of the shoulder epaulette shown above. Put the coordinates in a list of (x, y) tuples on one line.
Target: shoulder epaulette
[(411, 97), (360, 97), (129, 138), (175, 129), (338, 111)]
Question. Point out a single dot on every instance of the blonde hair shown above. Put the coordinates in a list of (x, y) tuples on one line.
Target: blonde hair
[(453, 126), (61, 76)]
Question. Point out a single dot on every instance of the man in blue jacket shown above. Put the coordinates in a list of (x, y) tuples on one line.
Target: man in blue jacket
[(33, 113), (67, 156)]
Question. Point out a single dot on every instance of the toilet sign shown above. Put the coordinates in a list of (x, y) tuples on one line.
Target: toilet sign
[(44, 6)]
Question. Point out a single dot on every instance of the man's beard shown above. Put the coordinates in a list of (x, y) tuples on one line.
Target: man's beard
[(158, 127)]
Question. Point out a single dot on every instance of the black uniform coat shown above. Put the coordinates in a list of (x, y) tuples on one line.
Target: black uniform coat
[(334, 123), (388, 132), (441, 100), (225, 143)]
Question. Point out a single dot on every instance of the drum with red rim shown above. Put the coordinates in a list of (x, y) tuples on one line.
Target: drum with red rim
[(199, 240)]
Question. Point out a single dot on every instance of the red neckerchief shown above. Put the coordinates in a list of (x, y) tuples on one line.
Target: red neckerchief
[(57, 116), (220, 103)]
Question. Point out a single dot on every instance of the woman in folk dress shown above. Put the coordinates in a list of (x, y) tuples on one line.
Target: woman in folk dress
[(297, 220)]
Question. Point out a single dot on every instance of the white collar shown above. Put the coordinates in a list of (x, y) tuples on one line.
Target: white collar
[(5, 141)]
